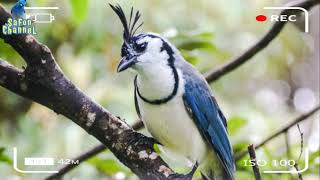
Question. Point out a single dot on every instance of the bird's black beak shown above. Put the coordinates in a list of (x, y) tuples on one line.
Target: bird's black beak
[(126, 62)]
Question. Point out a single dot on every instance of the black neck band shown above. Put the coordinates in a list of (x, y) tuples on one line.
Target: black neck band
[(175, 75)]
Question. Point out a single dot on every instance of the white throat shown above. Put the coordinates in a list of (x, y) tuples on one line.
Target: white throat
[(156, 82)]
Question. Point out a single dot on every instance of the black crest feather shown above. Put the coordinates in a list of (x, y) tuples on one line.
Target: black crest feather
[(129, 28)]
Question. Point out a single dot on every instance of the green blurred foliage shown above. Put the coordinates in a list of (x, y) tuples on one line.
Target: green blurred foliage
[(108, 166), (235, 124), (191, 42), (4, 157), (79, 10)]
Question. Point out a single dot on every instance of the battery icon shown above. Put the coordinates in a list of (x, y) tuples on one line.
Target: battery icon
[(38, 161), (40, 17)]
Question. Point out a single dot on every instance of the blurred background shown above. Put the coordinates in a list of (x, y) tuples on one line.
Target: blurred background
[(277, 85)]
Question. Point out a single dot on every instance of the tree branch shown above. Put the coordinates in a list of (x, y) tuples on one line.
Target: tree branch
[(253, 158), (9, 76), (215, 74), (283, 130), (43, 82)]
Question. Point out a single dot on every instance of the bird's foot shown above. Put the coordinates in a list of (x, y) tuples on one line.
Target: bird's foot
[(140, 139), (185, 176)]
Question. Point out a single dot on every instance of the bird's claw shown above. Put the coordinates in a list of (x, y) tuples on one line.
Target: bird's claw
[(185, 176), (140, 139)]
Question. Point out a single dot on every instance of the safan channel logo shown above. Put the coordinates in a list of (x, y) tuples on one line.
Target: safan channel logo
[(18, 26), (24, 23)]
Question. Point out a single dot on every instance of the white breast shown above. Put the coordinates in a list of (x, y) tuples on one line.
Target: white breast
[(170, 124)]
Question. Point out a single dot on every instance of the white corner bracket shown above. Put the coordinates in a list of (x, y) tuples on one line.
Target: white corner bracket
[(15, 165), (306, 166), (306, 15)]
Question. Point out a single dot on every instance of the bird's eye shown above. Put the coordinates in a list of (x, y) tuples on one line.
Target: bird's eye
[(141, 47)]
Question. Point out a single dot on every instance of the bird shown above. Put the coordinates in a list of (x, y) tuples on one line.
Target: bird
[(174, 101), (17, 11)]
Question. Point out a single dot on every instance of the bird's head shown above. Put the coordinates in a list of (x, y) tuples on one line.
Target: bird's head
[(22, 2), (143, 50)]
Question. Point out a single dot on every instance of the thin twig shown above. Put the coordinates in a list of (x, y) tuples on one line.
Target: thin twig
[(296, 165), (301, 143), (253, 158), (279, 132)]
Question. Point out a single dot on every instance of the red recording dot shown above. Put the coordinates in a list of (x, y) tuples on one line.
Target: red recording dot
[(261, 18)]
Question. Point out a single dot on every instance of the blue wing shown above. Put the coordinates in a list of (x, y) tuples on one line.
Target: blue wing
[(210, 121)]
